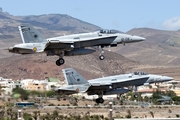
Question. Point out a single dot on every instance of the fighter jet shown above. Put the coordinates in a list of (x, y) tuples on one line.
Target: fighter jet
[(69, 45), (76, 83)]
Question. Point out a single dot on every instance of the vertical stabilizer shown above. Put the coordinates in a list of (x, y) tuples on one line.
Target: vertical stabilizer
[(30, 35), (72, 77)]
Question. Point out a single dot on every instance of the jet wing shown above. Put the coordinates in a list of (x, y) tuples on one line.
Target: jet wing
[(97, 38), (54, 44), (66, 91), (79, 39), (67, 44), (130, 82)]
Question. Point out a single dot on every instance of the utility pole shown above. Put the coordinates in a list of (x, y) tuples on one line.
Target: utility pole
[(110, 111), (20, 115)]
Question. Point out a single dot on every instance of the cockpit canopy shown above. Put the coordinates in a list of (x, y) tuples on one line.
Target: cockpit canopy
[(106, 31), (140, 73)]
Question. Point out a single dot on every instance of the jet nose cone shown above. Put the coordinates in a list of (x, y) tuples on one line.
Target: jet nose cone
[(11, 49), (138, 39), (166, 78), (142, 39), (56, 89)]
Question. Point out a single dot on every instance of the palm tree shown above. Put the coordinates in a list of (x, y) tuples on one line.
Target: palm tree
[(128, 114), (9, 112), (14, 115), (38, 113), (35, 114), (55, 114), (27, 116), (152, 114), (2, 112), (46, 117), (1, 90), (43, 117)]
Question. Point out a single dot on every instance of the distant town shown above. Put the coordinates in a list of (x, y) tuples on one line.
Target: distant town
[(39, 103), (48, 84)]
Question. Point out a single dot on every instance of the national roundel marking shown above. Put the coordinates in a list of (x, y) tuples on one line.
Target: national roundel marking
[(34, 49), (77, 90)]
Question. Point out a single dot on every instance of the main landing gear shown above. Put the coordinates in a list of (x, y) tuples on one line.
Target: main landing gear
[(136, 95), (99, 100), (60, 62)]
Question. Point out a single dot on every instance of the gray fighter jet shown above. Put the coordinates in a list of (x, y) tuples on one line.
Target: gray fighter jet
[(69, 45), (105, 85)]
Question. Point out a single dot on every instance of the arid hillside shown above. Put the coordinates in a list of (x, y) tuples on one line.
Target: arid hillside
[(161, 48), (41, 66)]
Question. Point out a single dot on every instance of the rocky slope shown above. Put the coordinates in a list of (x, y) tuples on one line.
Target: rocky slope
[(41, 66), (161, 48)]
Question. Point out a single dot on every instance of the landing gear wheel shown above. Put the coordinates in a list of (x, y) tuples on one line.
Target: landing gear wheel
[(57, 63), (135, 95), (60, 61), (99, 100), (101, 57)]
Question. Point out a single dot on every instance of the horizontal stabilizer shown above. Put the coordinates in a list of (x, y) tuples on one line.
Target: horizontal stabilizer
[(66, 91), (72, 89)]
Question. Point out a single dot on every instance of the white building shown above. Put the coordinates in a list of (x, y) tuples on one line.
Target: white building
[(47, 83), (7, 86)]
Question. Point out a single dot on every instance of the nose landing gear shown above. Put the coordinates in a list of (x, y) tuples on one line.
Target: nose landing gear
[(101, 56)]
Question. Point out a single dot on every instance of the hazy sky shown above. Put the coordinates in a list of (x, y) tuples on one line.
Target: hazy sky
[(122, 15)]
